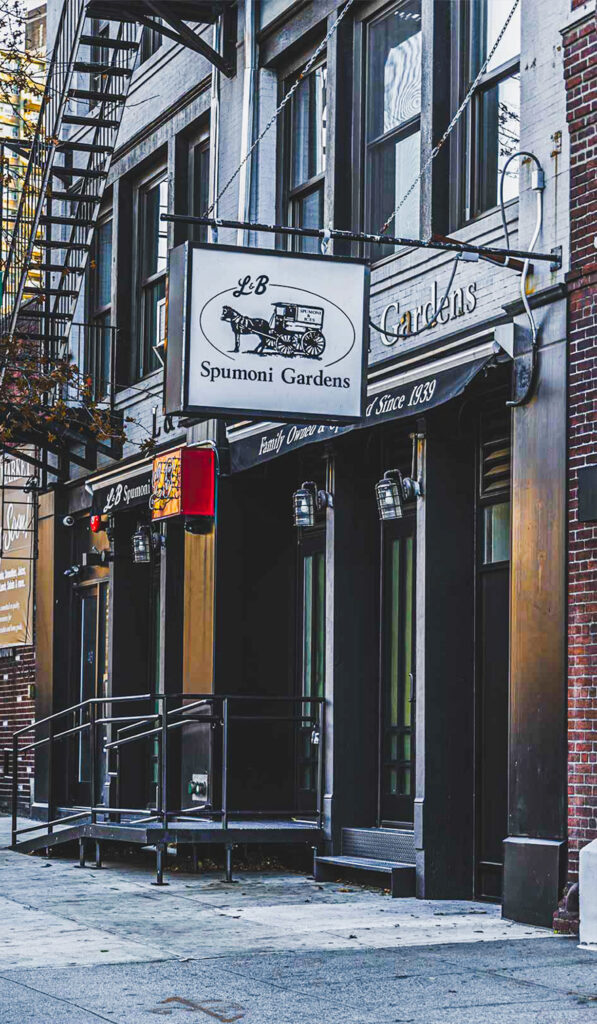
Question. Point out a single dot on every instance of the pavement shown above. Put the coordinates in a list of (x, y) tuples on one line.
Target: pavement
[(272, 947)]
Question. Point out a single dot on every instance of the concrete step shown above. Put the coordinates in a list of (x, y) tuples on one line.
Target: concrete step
[(402, 876)]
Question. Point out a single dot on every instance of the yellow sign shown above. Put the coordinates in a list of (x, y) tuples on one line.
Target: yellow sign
[(16, 553), (166, 490)]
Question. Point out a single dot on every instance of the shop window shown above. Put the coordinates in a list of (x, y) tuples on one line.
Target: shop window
[(492, 125), (494, 484), (98, 348), (151, 40), (152, 260), (392, 56), (199, 183), (305, 156)]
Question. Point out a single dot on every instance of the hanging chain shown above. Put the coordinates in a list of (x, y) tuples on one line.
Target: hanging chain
[(453, 122), (279, 110)]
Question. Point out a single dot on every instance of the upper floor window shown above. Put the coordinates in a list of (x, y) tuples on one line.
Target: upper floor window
[(152, 267), (151, 40), (98, 349), (305, 156), (199, 183), (493, 128), (392, 53)]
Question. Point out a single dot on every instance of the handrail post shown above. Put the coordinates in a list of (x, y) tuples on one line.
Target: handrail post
[(51, 809), (164, 759), (225, 762), (15, 787), (320, 764), (92, 762)]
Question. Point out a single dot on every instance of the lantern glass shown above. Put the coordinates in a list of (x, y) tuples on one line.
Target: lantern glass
[(303, 504), (389, 499), (141, 545)]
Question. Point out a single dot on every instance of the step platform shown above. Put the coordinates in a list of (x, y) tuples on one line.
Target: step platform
[(375, 855)]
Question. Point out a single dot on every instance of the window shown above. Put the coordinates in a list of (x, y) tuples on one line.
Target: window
[(305, 156), (199, 184), (98, 348), (392, 51), (152, 262), (494, 115), (151, 40)]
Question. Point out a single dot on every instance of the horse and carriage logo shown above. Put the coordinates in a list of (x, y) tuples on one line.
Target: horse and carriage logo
[(292, 330)]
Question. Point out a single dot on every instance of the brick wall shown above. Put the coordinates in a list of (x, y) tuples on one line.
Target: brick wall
[(580, 73), (17, 709)]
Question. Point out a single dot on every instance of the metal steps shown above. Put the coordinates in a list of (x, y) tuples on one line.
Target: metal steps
[(402, 877), (106, 43), (91, 122), (375, 855)]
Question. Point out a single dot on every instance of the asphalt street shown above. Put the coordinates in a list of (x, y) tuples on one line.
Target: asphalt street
[(80, 946)]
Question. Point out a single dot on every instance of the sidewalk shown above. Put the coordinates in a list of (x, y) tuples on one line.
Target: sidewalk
[(78, 946)]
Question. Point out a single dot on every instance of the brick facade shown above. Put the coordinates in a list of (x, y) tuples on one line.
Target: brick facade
[(580, 73), (17, 708)]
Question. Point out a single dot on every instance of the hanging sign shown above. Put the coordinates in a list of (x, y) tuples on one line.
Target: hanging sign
[(16, 553), (260, 333), (183, 483)]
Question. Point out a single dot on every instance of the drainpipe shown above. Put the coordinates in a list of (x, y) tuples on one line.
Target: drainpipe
[(250, 71), (214, 132)]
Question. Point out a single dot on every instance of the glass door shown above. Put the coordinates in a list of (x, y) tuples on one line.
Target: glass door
[(397, 696), (311, 656)]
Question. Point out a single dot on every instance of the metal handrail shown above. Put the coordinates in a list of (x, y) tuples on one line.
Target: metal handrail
[(167, 721)]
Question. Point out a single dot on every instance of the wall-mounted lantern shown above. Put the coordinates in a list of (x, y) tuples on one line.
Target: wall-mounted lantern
[(393, 492), (307, 502), (142, 545)]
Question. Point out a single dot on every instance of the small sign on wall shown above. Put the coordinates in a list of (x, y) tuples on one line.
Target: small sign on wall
[(260, 333), (183, 483)]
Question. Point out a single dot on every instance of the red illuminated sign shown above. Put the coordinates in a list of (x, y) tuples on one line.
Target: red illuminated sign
[(183, 483)]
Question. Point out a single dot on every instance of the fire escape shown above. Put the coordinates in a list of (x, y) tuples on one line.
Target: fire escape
[(95, 46)]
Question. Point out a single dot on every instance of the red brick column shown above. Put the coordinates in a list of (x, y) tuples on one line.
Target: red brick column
[(17, 708), (580, 71)]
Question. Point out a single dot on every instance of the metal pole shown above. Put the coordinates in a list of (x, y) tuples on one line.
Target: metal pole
[(15, 788), (164, 764), (51, 814), (225, 763), (228, 862), (92, 766), (320, 765), (361, 236)]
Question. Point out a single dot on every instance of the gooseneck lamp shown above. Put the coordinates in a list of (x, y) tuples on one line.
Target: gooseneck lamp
[(307, 501)]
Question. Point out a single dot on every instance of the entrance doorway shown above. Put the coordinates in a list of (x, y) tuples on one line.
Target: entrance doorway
[(91, 681), (397, 679)]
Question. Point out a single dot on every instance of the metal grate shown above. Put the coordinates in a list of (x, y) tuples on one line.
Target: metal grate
[(397, 845)]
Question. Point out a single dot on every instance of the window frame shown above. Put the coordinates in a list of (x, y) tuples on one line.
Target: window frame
[(361, 210), (96, 313), (465, 149), (290, 197), (142, 367), (199, 144)]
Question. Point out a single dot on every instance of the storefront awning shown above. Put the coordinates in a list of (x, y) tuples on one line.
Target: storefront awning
[(127, 488), (407, 394)]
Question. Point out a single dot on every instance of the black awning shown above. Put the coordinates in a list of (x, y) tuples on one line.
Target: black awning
[(396, 401), (122, 490)]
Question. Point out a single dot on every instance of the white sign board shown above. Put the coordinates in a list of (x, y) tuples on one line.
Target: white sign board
[(266, 334)]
